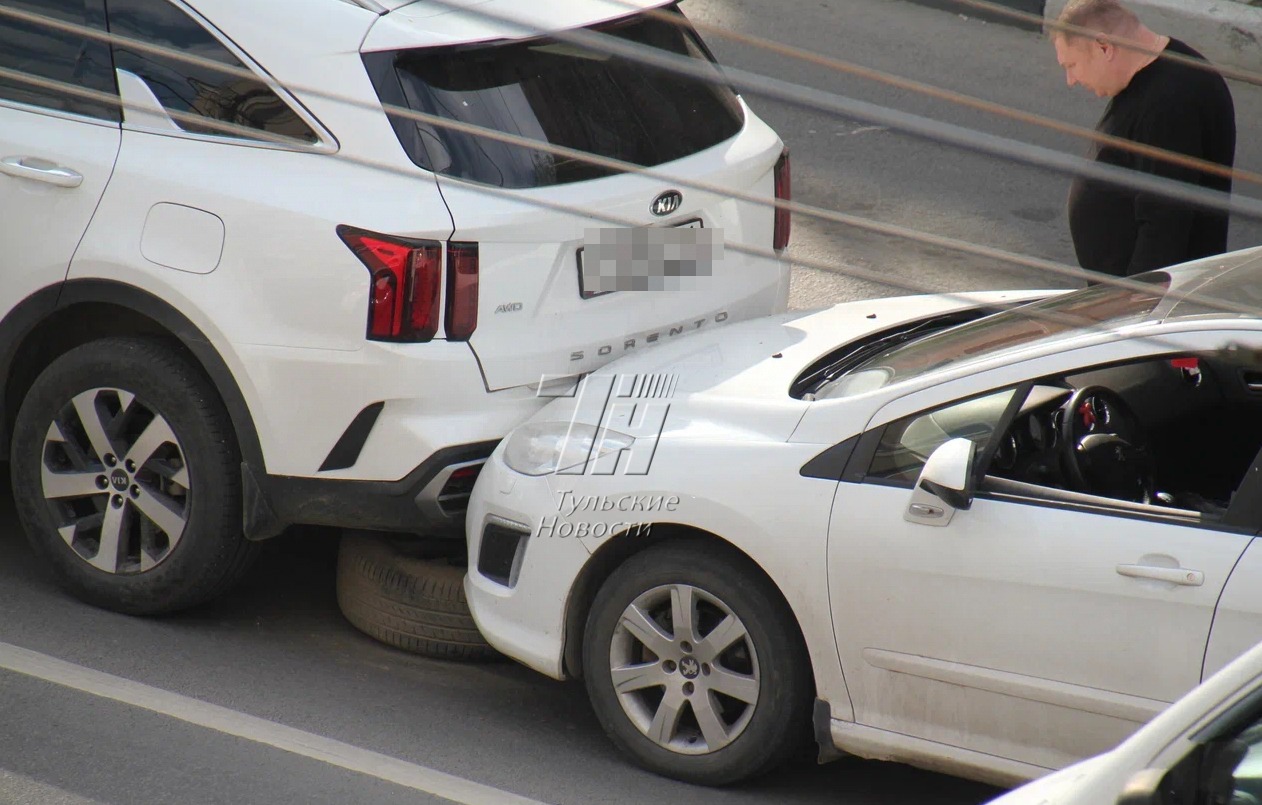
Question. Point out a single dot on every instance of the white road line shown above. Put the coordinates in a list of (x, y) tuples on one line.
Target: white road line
[(252, 728)]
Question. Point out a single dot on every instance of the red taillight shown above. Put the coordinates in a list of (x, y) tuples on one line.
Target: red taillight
[(462, 290), (784, 192), (406, 282)]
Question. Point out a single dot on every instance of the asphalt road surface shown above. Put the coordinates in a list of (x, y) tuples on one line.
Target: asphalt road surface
[(269, 695)]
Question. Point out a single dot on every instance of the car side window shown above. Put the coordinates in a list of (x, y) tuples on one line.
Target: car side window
[(1177, 431), (1227, 770), (1246, 775), (906, 444), (48, 53), (196, 89)]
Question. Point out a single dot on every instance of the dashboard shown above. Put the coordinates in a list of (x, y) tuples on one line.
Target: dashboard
[(1030, 448)]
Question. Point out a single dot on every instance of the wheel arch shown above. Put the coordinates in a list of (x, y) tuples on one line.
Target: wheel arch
[(622, 547), (59, 318)]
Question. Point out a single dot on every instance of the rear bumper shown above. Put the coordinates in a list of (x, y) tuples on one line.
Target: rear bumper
[(431, 500)]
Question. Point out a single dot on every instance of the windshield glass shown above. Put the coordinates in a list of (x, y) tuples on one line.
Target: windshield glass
[(562, 94), (1059, 318)]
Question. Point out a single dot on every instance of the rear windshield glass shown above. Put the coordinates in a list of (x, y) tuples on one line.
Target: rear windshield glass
[(561, 94), (1061, 317)]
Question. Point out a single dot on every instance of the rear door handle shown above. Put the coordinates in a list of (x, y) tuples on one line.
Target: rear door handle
[(40, 170), (1173, 575)]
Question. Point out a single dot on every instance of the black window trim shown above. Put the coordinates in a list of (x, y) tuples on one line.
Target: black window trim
[(1244, 514), (325, 143), (90, 7), (1109, 507)]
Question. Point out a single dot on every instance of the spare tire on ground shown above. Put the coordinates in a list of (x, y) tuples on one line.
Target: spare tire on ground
[(405, 593)]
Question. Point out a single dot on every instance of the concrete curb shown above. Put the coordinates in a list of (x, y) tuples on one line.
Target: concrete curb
[(1228, 33)]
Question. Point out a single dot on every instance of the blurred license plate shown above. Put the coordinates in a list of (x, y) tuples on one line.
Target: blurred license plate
[(635, 258)]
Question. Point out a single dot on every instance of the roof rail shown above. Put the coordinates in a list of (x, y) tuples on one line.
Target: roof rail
[(371, 5)]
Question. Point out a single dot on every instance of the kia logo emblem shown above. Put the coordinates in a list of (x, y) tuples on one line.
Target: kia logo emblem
[(666, 203)]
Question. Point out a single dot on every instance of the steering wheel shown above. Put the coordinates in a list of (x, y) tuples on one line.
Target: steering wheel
[(1104, 447)]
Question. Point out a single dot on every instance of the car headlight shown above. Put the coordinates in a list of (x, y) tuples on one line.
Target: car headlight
[(542, 448)]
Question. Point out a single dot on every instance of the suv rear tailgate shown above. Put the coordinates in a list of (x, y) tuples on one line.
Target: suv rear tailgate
[(530, 211), (532, 319)]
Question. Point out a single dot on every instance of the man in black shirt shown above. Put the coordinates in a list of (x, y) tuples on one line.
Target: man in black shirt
[(1156, 101)]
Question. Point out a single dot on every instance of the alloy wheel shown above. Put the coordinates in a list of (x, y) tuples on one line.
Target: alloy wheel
[(114, 474), (684, 669)]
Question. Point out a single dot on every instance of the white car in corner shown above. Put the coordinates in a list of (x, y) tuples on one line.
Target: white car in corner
[(987, 545), (1205, 748)]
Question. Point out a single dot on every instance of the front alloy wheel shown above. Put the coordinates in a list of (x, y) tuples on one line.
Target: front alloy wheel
[(696, 666), (684, 668), (114, 474)]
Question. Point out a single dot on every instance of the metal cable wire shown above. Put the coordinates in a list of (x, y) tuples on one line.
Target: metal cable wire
[(962, 99), (817, 100), (871, 276), (802, 96), (1067, 320), (916, 125)]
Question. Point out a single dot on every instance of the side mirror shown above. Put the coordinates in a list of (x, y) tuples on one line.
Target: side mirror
[(943, 486), (1143, 788)]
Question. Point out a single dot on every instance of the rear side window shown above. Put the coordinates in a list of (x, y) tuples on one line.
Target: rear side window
[(188, 88), (548, 90), (45, 52)]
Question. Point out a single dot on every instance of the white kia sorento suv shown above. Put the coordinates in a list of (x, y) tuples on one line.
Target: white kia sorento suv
[(269, 264)]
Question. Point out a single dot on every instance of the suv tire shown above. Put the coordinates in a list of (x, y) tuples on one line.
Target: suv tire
[(123, 440)]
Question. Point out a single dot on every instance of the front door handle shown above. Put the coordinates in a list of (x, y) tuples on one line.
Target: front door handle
[(40, 170), (1173, 575)]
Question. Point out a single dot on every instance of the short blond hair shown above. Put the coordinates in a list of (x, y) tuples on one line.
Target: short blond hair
[(1108, 17)]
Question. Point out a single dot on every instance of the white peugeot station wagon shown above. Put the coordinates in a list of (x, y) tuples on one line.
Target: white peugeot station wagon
[(240, 295)]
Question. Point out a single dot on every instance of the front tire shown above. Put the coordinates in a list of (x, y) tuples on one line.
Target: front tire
[(695, 666), (126, 478)]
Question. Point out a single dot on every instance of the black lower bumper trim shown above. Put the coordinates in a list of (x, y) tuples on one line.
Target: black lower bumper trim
[(346, 452), (278, 501)]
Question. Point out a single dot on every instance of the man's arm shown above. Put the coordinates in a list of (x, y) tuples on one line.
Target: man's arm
[(1163, 225)]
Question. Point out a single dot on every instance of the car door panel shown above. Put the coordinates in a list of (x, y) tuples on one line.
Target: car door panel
[(1033, 629), (1238, 620), (1011, 631), (59, 138), (55, 171)]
